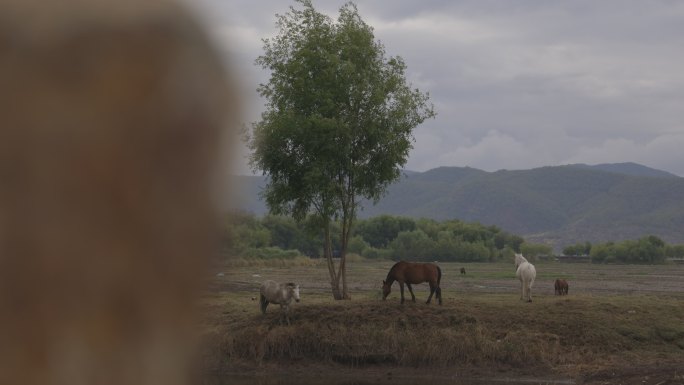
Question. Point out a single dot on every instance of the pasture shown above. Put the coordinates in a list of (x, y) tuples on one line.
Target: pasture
[(614, 319)]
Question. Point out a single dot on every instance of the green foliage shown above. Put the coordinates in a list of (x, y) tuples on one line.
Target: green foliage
[(452, 241), (647, 250), (244, 231), (245, 234), (578, 249), (674, 251), (338, 122), (412, 246), (426, 240), (511, 241), (357, 245), (535, 249), (381, 230), (339, 115), (282, 237), (286, 233)]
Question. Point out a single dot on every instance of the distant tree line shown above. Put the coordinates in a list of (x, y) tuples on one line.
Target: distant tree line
[(382, 237), (578, 249), (647, 250)]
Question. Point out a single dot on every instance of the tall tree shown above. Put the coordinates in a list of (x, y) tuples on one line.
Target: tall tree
[(338, 122)]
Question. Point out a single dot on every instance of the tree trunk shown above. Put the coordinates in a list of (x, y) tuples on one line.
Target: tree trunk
[(343, 261), (343, 273), (347, 218), (337, 294), (327, 252)]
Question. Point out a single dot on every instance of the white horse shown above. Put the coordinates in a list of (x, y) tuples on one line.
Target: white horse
[(282, 294), (526, 273)]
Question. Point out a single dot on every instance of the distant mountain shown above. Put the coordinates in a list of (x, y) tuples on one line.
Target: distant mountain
[(557, 205), (628, 168)]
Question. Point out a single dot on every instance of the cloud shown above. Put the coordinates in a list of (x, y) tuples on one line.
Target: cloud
[(490, 153), (515, 84), (663, 152), (495, 150)]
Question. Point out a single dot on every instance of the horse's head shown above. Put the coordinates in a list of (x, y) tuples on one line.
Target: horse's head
[(385, 290), (519, 259), (294, 290)]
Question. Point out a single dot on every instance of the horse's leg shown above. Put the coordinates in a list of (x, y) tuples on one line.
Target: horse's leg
[(287, 314), (522, 290), (401, 287), (529, 291), (432, 291), (413, 297), (264, 303), (439, 294)]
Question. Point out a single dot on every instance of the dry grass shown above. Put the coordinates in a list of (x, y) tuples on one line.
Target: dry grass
[(498, 332), (569, 335), (297, 261)]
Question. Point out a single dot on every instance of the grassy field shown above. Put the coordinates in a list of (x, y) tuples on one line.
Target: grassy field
[(616, 318)]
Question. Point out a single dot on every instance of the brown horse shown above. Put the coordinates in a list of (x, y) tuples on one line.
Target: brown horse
[(413, 273), (561, 287), (463, 271)]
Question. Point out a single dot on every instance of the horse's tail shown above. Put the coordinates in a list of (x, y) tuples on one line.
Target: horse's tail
[(437, 289)]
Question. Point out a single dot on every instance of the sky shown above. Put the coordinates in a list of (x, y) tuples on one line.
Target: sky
[(516, 84)]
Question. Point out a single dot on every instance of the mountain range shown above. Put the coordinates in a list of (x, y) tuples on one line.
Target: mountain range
[(557, 205)]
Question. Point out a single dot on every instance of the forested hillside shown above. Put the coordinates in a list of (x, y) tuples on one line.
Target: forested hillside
[(559, 205)]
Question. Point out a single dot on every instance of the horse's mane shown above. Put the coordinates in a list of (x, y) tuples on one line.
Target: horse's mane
[(391, 271), (290, 284), (519, 259)]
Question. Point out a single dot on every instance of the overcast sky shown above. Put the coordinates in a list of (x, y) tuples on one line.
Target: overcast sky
[(516, 84)]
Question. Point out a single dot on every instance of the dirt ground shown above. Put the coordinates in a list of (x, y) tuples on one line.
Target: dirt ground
[(644, 375)]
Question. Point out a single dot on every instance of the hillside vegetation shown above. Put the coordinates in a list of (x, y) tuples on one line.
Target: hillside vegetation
[(556, 205)]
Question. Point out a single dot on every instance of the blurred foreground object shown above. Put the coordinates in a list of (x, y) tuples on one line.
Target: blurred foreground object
[(111, 116)]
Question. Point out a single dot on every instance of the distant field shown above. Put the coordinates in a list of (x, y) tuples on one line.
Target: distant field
[(365, 278), (624, 322)]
